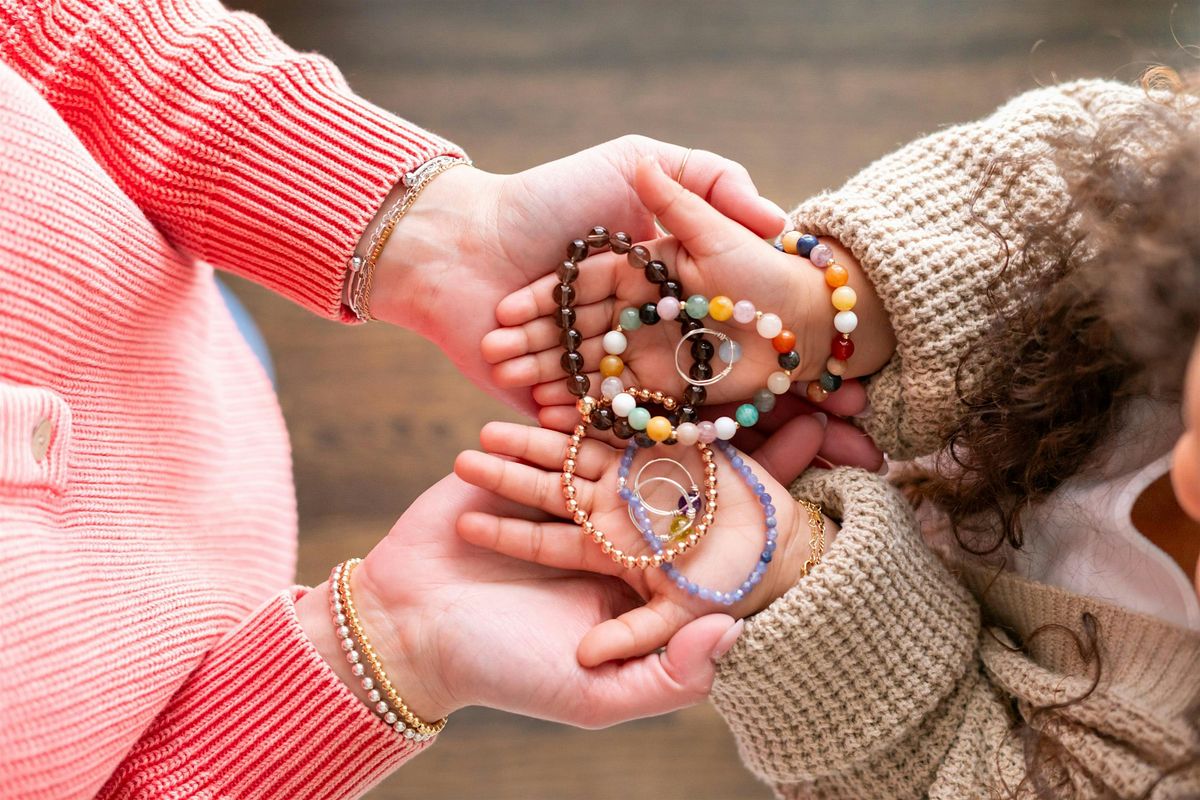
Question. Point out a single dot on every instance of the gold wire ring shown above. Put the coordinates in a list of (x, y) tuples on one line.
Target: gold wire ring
[(683, 166)]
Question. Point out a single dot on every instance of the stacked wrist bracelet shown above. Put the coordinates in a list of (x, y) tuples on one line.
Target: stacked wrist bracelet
[(365, 665), (360, 269)]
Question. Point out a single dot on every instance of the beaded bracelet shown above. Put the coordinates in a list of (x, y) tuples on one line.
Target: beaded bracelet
[(360, 269), (816, 541), (381, 695), (588, 407), (843, 298)]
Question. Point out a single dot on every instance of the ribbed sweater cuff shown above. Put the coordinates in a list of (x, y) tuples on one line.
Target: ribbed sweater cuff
[(263, 716), (852, 660)]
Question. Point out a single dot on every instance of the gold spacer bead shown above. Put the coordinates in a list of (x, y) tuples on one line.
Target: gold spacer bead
[(643, 562), (573, 505), (709, 519), (588, 527), (569, 492), (669, 404), (580, 517), (569, 465), (656, 561), (657, 397), (606, 546)]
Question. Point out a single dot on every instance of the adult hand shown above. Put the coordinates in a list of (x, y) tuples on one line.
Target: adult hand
[(473, 237), (457, 625)]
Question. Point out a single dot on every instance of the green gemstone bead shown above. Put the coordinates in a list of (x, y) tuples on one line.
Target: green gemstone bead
[(697, 306), (630, 319), (639, 418), (747, 415), (679, 526)]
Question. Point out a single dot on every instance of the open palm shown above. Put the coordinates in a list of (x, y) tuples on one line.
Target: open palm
[(499, 632), (522, 465)]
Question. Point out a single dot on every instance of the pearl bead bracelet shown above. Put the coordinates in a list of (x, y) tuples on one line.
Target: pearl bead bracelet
[(381, 696)]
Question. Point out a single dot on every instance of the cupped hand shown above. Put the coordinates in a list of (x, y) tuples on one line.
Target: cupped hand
[(459, 625), (473, 238), (522, 464)]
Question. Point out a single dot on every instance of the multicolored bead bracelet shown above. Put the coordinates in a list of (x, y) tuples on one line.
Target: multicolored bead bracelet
[(843, 298)]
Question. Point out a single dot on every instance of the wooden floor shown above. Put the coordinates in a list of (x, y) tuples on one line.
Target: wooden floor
[(802, 93)]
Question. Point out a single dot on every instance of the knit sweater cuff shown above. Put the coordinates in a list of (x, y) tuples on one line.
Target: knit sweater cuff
[(263, 716), (850, 662), (940, 228)]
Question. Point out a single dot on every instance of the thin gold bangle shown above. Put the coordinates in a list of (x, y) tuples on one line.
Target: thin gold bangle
[(411, 720), (816, 541)]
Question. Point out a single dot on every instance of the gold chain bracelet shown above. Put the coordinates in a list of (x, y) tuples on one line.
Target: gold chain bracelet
[(816, 541)]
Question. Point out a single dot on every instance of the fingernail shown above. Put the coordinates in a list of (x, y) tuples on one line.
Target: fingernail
[(822, 463), (821, 418), (772, 207), (727, 640), (884, 469)]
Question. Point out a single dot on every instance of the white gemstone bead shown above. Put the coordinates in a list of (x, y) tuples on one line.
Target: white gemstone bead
[(729, 351), (373, 696), (687, 434), (408, 734), (381, 707), (343, 631), (779, 382), (358, 670), (769, 326), (390, 718), (615, 343), (340, 619), (368, 684), (352, 656), (347, 644), (399, 727), (611, 386), (623, 403), (726, 428), (845, 321)]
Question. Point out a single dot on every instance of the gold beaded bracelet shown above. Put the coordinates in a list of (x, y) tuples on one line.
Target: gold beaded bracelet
[(816, 541), (360, 269), (381, 695)]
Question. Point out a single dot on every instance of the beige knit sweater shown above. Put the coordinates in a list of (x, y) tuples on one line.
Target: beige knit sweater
[(875, 677)]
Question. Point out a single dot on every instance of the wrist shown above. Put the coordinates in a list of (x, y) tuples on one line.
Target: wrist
[(796, 549), (312, 611), (448, 224)]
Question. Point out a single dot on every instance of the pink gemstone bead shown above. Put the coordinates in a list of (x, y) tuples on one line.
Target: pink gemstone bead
[(743, 311), (821, 256), (668, 308), (708, 432)]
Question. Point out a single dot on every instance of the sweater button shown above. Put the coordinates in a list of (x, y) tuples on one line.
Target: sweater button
[(40, 442)]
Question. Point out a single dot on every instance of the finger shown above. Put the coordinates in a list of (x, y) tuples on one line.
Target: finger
[(558, 418), (520, 483), (848, 446), (546, 448), (543, 333), (543, 367), (700, 228), (556, 393), (726, 186), (662, 682), (596, 281), (789, 451), (635, 633), (560, 545)]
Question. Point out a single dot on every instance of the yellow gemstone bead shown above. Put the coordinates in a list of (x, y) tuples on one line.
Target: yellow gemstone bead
[(679, 526), (790, 242), (659, 429), (836, 275), (720, 308), (844, 298), (611, 366)]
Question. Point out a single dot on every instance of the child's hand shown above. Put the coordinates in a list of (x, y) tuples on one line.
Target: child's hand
[(711, 255), (523, 464)]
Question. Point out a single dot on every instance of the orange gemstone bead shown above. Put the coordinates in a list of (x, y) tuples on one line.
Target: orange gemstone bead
[(785, 342), (815, 393), (844, 298), (720, 308), (659, 429), (611, 366), (836, 275), (791, 242)]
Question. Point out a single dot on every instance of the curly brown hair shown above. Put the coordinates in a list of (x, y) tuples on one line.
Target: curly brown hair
[(1114, 317)]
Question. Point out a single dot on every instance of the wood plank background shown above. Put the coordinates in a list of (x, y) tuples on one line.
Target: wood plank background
[(803, 93)]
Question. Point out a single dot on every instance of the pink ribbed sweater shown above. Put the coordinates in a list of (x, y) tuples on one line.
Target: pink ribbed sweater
[(148, 643)]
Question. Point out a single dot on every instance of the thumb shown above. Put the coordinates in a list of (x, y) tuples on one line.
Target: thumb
[(700, 228), (691, 655)]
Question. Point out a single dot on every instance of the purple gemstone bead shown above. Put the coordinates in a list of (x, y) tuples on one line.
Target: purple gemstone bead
[(668, 308), (708, 432), (743, 311), (821, 256)]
